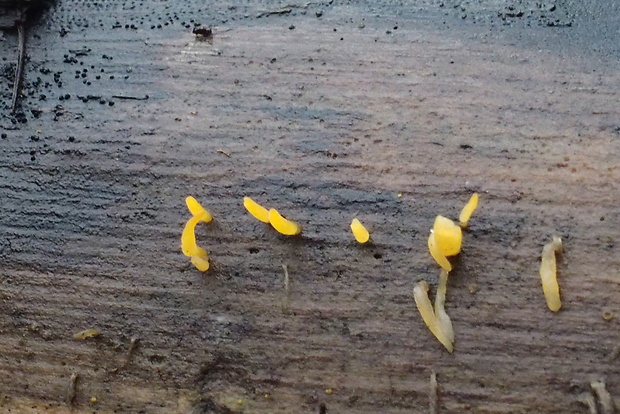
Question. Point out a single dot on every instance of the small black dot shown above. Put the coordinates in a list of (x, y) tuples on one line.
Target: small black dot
[(254, 250), (378, 256)]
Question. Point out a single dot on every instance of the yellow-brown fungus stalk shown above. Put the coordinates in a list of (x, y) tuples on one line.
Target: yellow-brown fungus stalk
[(282, 225), (436, 319), (359, 231), (468, 210), (190, 248), (259, 212), (445, 240), (548, 274)]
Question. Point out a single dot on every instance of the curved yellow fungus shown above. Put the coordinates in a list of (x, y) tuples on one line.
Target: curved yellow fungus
[(201, 262), (188, 237), (437, 255), (359, 231), (87, 333), (548, 275), (448, 236), (436, 325), (468, 210), (259, 212), (196, 209), (282, 225)]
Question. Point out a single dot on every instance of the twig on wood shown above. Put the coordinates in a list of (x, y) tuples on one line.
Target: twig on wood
[(604, 397), (133, 98), (587, 399), (432, 395), (221, 151), (274, 12), (287, 290), (615, 353), (21, 56), (132, 347), (72, 388)]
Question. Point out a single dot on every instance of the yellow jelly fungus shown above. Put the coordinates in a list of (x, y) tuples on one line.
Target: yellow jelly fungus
[(93, 400), (448, 236), (87, 333), (436, 325), (201, 262), (437, 255), (548, 275), (468, 210), (188, 238), (359, 231), (259, 212), (282, 225), (197, 210)]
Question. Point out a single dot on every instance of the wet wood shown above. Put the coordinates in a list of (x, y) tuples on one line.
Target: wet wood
[(324, 130)]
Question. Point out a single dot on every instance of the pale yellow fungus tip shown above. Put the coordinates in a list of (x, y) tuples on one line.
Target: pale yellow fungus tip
[(437, 319), (359, 231), (87, 333), (548, 273), (259, 212), (197, 210), (468, 210), (201, 262), (282, 225)]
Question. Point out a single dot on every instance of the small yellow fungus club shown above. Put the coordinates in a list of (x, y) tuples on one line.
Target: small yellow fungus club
[(87, 333), (548, 274), (282, 225), (259, 212), (359, 231), (197, 210), (468, 210), (448, 236)]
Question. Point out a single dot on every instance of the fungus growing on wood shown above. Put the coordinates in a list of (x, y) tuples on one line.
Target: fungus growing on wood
[(190, 248), (282, 225), (259, 212), (359, 231), (548, 273), (468, 210)]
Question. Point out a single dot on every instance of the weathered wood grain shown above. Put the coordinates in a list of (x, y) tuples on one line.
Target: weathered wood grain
[(324, 125)]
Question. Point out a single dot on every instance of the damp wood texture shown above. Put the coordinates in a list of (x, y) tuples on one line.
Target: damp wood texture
[(328, 112)]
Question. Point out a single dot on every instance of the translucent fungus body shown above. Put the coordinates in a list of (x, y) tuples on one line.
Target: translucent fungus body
[(437, 255), (359, 231), (468, 210), (201, 262), (196, 209), (438, 325), (548, 274), (448, 236), (282, 225), (259, 212)]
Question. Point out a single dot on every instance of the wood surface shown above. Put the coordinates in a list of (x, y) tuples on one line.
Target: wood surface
[(326, 119)]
